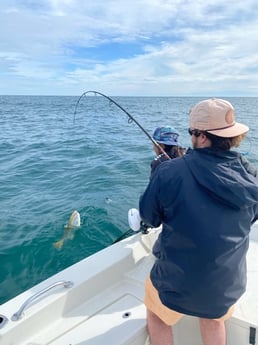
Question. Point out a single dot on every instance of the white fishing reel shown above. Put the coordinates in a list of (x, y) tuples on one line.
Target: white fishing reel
[(135, 221)]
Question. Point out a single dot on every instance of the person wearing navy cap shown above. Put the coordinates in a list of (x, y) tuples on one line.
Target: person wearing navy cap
[(167, 138)]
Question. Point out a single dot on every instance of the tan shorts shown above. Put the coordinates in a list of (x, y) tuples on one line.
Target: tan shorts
[(169, 316)]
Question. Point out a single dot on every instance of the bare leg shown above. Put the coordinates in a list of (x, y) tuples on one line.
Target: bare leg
[(213, 332), (159, 332)]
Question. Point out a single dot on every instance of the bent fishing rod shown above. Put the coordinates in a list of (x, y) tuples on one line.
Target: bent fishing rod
[(130, 117)]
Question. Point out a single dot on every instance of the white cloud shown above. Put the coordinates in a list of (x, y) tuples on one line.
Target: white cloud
[(186, 47)]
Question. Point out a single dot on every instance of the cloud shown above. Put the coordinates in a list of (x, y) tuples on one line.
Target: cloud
[(159, 47)]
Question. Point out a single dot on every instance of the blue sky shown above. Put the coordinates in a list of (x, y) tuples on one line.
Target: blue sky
[(129, 47)]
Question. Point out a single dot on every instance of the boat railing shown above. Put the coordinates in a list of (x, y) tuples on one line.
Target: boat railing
[(19, 314)]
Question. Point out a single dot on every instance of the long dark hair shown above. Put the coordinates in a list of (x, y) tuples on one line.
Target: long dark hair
[(174, 151)]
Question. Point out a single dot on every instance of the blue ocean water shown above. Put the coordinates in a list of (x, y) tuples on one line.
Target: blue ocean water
[(98, 165)]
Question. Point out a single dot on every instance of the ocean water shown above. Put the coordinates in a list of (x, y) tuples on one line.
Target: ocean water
[(98, 164)]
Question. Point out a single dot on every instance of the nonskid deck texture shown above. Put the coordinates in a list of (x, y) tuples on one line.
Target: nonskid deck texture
[(105, 304)]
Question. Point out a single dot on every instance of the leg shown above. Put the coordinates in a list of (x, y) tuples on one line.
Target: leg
[(159, 332), (213, 331)]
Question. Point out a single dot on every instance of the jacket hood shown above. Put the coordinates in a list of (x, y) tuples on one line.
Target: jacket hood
[(223, 175)]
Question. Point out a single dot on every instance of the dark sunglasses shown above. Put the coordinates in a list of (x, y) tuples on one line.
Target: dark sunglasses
[(195, 132)]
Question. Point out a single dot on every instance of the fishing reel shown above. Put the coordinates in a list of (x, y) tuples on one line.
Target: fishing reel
[(135, 222)]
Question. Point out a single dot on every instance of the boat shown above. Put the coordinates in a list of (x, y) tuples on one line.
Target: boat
[(99, 300)]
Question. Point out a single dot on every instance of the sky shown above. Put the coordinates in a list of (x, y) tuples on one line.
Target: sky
[(129, 47)]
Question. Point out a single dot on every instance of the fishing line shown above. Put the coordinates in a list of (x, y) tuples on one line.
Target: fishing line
[(130, 117)]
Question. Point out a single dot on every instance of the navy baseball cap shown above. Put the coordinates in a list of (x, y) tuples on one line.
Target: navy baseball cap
[(166, 135)]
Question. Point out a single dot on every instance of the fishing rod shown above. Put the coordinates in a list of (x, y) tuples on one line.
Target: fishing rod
[(130, 117)]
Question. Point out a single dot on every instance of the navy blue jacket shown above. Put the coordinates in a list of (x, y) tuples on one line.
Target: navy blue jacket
[(206, 202)]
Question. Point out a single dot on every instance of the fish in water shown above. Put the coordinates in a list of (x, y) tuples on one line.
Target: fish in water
[(73, 223)]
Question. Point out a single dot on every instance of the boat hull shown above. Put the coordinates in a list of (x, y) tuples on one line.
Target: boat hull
[(104, 303)]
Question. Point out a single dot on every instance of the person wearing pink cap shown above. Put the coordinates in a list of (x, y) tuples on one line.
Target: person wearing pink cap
[(206, 202)]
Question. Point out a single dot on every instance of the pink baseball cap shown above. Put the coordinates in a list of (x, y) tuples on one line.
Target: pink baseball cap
[(216, 116)]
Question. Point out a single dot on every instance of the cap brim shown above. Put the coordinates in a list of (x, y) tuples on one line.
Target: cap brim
[(168, 142), (232, 131)]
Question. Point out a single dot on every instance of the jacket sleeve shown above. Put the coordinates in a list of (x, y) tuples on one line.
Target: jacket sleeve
[(149, 205)]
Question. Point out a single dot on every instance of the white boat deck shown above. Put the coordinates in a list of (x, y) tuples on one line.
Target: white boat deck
[(105, 303)]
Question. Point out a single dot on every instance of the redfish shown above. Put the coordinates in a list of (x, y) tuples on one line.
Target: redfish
[(74, 222)]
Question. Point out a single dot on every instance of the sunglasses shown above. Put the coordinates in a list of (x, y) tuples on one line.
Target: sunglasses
[(195, 132)]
